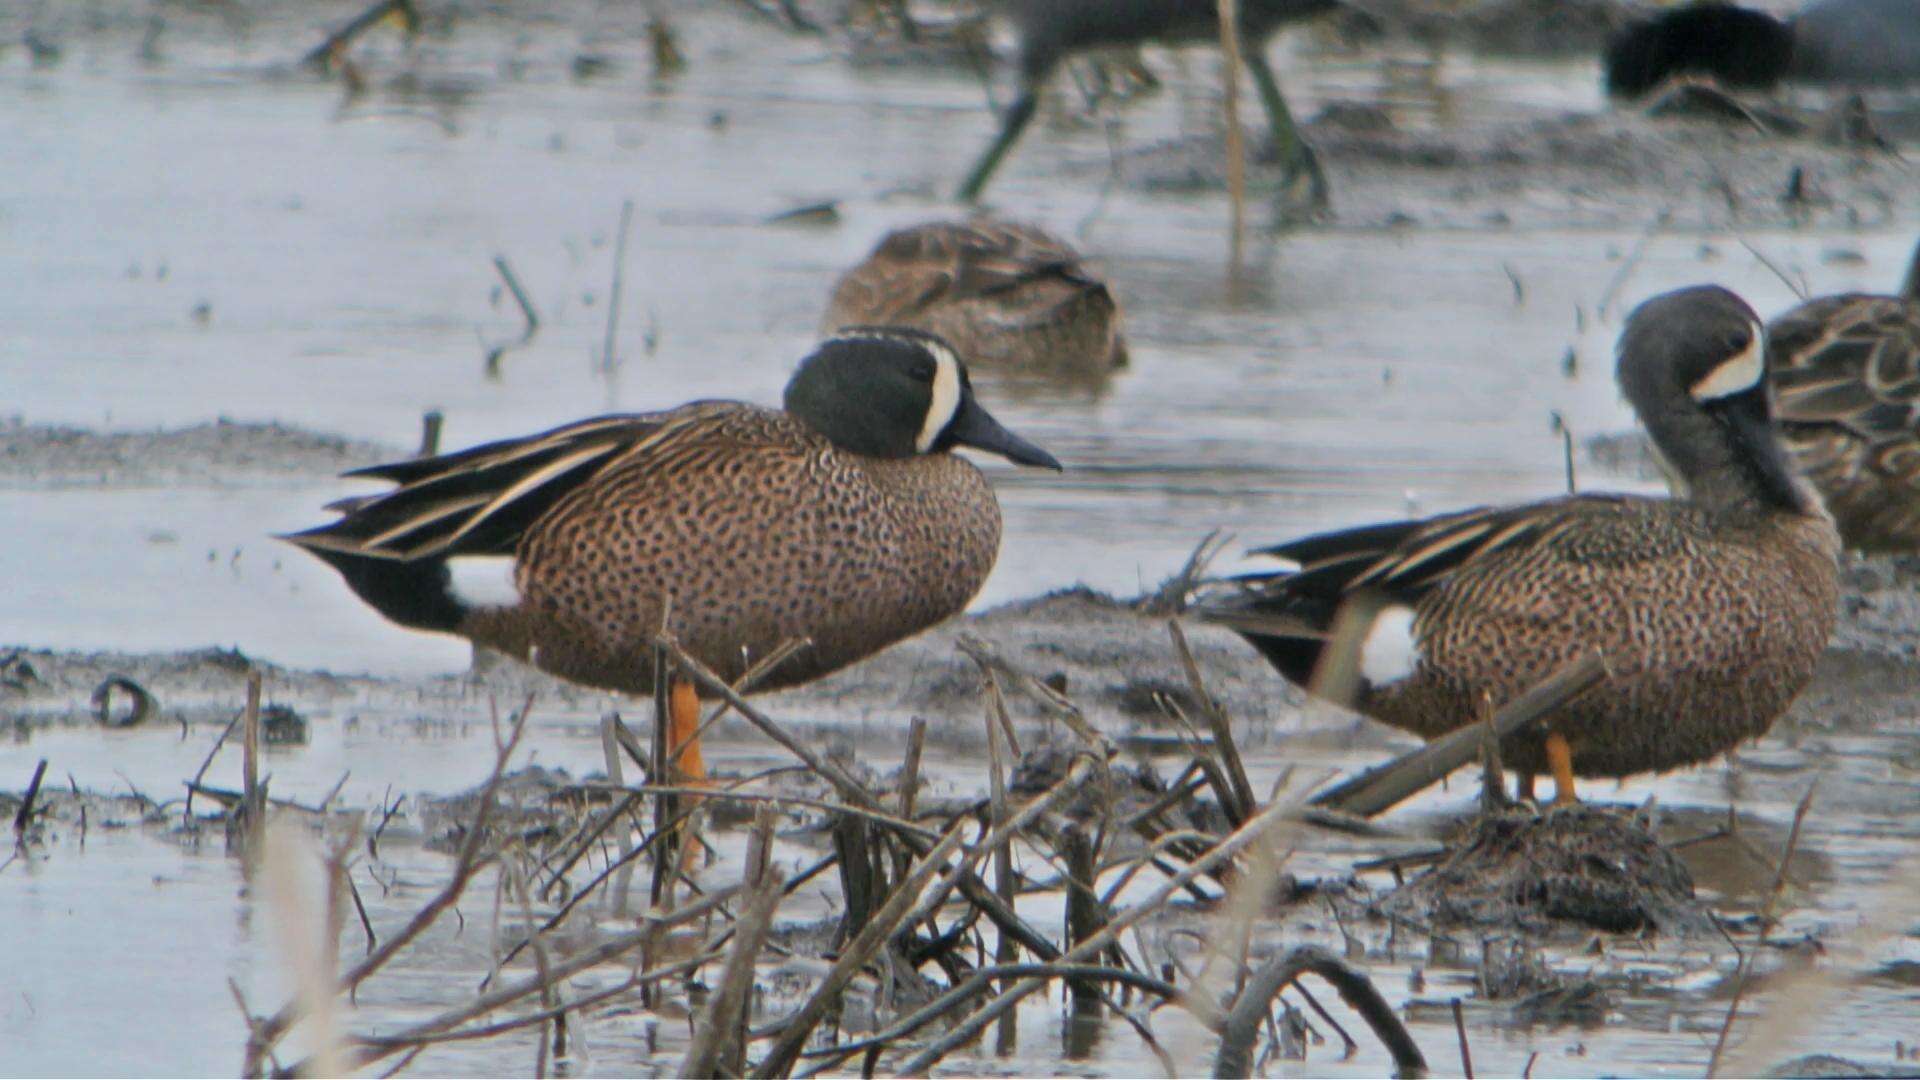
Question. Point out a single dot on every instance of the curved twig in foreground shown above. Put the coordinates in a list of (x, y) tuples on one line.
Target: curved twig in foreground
[(1250, 1009)]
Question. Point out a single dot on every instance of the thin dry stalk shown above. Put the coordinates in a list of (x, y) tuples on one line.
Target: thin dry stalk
[(610, 748), (719, 1038), (23, 818), (285, 857), (1226, 850), (909, 788), (206, 763), (793, 1036), (1236, 149), (1379, 789), (431, 422), (253, 807), (1460, 1030), (1745, 967), (609, 361), (1051, 701), (1006, 950), (1243, 1021), (467, 863), (1086, 916), (1217, 721)]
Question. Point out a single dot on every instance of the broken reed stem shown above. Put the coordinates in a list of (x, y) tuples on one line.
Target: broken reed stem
[(610, 747), (1006, 951), (519, 294), (1381, 788), (1460, 1029), (909, 788), (253, 804), (608, 361), (1745, 967), (1250, 1008), (1236, 150), (1227, 849), (719, 1040), (206, 763), (23, 818), (1217, 720), (794, 1034), (431, 422), (1086, 916)]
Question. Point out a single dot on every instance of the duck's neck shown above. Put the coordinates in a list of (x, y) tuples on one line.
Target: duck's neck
[(1729, 461)]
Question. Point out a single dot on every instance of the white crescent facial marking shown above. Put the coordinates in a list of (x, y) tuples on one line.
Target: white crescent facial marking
[(1389, 651), (1743, 372), (483, 581), (946, 396)]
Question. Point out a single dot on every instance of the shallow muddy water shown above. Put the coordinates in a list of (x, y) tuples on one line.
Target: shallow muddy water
[(208, 233)]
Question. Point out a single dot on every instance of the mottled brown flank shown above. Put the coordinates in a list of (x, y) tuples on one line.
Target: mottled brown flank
[(751, 529), (1846, 373), (1710, 629), (1001, 293)]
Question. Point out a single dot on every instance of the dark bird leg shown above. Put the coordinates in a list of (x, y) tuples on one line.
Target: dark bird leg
[(1015, 122), (1297, 161)]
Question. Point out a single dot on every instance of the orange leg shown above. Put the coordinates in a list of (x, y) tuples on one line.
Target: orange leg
[(1560, 761), (683, 733)]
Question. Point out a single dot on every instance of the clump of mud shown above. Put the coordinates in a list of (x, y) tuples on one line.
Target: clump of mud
[(1582, 865)]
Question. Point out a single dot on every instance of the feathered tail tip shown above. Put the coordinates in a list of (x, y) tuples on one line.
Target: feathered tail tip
[(1733, 46)]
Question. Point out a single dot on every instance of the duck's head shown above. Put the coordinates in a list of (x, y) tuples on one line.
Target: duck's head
[(1693, 366), (894, 392)]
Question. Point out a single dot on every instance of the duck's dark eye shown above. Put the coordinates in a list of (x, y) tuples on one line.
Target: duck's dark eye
[(923, 371)]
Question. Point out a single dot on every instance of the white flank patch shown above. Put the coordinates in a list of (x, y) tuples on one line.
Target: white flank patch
[(1389, 651), (946, 397), (1737, 375), (483, 581)]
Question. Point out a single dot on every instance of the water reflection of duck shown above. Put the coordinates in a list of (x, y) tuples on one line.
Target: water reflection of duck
[(1853, 42), (843, 520), (1846, 373), (1710, 609), (1051, 30), (1003, 293)]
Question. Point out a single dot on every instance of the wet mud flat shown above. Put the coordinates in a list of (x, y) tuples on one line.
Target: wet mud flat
[(1430, 903), (127, 897)]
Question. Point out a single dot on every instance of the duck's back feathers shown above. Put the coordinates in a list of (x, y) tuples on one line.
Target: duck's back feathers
[(1732, 45), (1846, 377)]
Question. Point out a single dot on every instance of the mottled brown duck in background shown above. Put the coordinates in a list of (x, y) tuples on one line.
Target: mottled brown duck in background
[(1846, 377), (843, 519), (1710, 609), (1005, 294)]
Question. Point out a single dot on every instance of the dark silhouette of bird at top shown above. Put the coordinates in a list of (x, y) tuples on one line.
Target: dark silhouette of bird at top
[(1049, 31), (1848, 42)]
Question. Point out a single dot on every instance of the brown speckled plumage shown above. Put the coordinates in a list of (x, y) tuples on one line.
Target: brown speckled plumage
[(738, 528), (1846, 373), (1006, 294), (1710, 611)]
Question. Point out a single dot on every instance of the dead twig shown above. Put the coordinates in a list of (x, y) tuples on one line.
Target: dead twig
[(1378, 789), (1242, 1026), (23, 818), (1745, 967), (608, 360), (717, 1038), (326, 54)]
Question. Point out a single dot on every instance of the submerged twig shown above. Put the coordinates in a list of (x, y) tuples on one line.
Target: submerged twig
[(1242, 1026)]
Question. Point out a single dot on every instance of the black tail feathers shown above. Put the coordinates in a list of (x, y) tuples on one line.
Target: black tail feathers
[(417, 594), (1736, 47)]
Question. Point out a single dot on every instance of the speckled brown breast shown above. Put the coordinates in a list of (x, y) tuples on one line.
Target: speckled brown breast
[(1709, 633), (1846, 375), (757, 532), (1002, 293)]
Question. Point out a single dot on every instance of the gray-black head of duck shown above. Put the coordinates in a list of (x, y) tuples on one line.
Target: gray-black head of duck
[(1692, 364), (894, 392)]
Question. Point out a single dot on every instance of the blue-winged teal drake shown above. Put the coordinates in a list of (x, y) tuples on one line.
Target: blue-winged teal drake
[(1003, 293), (1851, 42), (1846, 376), (844, 519), (1710, 608), (1049, 31)]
